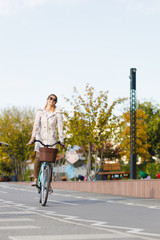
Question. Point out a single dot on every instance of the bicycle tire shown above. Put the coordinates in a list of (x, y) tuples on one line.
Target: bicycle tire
[(39, 192), (45, 181)]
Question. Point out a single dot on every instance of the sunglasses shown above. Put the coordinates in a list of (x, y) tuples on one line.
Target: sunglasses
[(53, 99)]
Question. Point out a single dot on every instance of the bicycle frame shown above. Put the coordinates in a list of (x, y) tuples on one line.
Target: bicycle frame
[(40, 173), (43, 182), (44, 177), (43, 165)]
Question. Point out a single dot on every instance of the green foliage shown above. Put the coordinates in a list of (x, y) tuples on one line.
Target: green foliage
[(112, 152), (153, 127), (141, 167), (6, 167), (15, 130), (27, 175), (141, 136), (125, 167), (91, 124), (150, 168), (148, 129)]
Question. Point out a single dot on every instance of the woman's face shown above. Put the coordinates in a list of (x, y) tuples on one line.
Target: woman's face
[(51, 101)]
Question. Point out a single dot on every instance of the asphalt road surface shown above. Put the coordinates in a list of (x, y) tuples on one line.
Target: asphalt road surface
[(72, 215)]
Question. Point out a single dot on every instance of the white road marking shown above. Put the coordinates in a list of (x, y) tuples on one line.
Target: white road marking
[(16, 220), (105, 224), (98, 225), (17, 189), (68, 237), (60, 215), (17, 212), (64, 195), (90, 199), (31, 208), (138, 232), (73, 196), (18, 227), (92, 224), (41, 210), (10, 202), (137, 204), (130, 203), (152, 207), (73, 204), (2, 192), (56, 201), (71, 217), (20, 205)]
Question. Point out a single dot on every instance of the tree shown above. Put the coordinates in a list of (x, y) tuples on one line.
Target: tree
[(15, 130), (141, 138), (6, 167), (112, 152), (91, 124), (153, 127)]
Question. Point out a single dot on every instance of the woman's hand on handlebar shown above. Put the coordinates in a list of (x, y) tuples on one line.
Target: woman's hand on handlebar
[(31, 141), (61, 144)]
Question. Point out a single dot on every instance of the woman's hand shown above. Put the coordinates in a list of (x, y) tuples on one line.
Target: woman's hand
[(31, 141), (62, 144)]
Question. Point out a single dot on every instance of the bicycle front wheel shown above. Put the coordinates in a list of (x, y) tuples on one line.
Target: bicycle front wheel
[(45, 181)]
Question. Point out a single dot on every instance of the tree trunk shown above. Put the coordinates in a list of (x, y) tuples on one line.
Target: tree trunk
[(89, 160)]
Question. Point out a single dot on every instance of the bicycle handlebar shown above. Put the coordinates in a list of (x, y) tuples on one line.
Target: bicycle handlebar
[(47, 144)]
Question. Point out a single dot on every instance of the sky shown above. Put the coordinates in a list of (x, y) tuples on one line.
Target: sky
[(52, 46)]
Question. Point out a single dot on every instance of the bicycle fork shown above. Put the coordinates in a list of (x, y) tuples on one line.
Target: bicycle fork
[(43, 166)]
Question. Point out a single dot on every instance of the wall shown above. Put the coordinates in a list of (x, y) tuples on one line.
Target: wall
[(132, 188)]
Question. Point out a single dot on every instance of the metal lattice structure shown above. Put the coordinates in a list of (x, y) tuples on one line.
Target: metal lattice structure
[(133, 123)]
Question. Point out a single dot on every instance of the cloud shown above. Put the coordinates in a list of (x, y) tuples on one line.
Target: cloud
[(146, 7), (34, 3), (4, 7), (14, 84), (7, 7)]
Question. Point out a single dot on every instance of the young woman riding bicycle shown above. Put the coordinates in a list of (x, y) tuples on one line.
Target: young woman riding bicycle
[(45, 129)]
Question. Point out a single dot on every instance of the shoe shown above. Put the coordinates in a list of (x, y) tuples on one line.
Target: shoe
[(50, 190), (34, 184)]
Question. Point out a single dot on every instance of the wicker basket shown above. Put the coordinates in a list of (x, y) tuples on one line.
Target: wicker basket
[(48, 154)]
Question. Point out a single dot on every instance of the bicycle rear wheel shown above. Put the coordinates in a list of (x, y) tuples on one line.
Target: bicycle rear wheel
[(45, 181)]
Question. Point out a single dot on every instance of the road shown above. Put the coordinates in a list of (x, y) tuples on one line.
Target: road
[(75, 215)]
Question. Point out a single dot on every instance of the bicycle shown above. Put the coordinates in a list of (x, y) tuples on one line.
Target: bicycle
[(47, 156)]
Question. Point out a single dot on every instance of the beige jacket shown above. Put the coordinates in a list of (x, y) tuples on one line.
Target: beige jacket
[(45, 127)]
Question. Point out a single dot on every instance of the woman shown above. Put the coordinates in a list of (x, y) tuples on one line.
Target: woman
[(45, 129)]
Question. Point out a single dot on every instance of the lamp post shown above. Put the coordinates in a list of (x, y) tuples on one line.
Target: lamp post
[(133, 123)]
